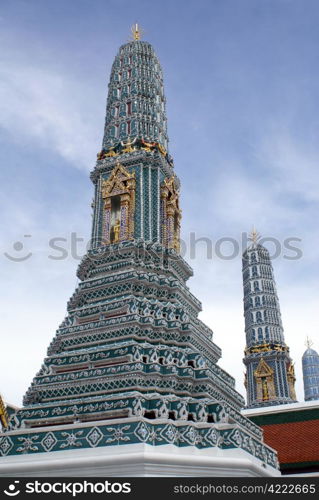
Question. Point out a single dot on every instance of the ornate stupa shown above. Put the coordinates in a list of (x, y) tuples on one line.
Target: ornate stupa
[(270, 376), (310, 370), (131, 384)]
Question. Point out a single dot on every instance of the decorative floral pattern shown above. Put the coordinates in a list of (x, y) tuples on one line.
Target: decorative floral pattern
[(72, 439), (28, 444), (6, 445), (118, 434), (49, 441), (192, 434), (94, 436)]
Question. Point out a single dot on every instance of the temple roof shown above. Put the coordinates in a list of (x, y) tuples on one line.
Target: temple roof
[(293, 430)]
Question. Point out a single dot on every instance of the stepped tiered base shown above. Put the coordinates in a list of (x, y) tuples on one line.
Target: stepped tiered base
[(138, 460), (131, 380)]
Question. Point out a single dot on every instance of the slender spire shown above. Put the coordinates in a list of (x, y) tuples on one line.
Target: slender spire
[(270, 374), (310, 372)]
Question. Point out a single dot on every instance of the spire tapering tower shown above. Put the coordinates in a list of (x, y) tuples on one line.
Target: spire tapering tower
[(310, 370), (135, 132), (136, 103), (270, 373), (132, 369)]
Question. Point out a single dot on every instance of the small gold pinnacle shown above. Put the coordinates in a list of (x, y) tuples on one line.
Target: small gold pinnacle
[(136, 32), (254, 236)]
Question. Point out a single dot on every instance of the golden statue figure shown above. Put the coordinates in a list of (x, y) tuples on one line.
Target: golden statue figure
[(161, 149), (116, 231), (128, 146), (148, 145), (111, 152), (265, 389), (176, 243)]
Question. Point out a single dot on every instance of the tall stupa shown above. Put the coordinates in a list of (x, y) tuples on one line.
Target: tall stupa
[(131, 384), (270, 375)]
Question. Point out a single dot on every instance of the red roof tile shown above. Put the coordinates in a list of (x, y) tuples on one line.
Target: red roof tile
[(295, 442)]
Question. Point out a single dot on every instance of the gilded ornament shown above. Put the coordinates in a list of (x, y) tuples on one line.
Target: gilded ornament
[(161, 149), (265, 389), (147, 146), (136, 32), (4, 418), (120, 183), (254, 236), (171, 214), (265, 385), (291, 380), (127, 146), (116, 229), (111, 152), (265, 348)]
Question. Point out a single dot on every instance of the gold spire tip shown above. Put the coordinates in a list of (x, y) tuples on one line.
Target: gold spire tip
[(254, 236), (136, 32)]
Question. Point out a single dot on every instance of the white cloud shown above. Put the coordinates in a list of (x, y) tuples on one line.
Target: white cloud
[(49, 109), (292, 162)]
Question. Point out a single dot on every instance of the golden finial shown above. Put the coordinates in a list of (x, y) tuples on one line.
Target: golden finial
[(308, 343), (136, 32), (254, 236)]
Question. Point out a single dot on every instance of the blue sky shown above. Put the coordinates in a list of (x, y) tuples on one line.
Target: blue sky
[(241, 81)]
